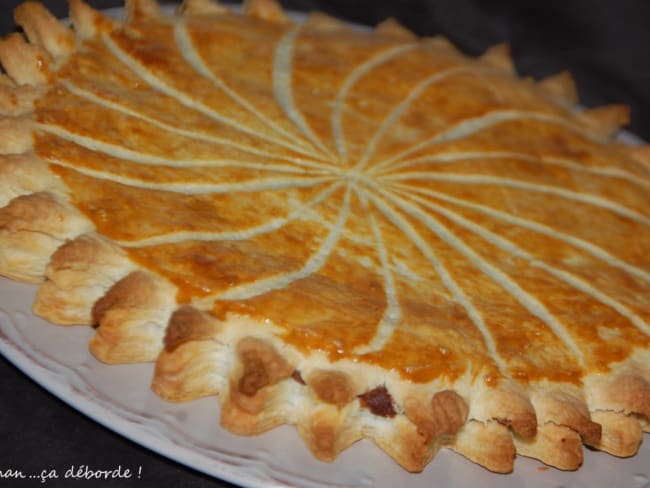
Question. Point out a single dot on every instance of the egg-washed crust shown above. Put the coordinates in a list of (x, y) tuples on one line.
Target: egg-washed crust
[(364, 234)]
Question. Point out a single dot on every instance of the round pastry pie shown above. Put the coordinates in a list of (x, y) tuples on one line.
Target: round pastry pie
[(361, 233)]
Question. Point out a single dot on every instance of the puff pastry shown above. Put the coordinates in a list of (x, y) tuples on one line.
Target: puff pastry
[(365, 234)]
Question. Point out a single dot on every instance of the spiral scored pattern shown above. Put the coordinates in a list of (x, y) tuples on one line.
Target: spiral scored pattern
[(377, 198)]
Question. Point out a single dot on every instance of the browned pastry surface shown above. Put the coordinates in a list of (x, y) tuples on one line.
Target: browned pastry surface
[(362, 233)]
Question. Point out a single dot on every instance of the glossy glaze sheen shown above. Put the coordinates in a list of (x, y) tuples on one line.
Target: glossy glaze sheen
[(393, 202)]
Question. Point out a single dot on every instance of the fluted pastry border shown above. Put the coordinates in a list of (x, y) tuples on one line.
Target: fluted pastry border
[(25, 340)]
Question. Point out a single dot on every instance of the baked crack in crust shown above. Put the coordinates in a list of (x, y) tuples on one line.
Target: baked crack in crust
[(365, 234)]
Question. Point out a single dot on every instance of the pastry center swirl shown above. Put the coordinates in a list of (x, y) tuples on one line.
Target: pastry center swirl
[(373, 203)]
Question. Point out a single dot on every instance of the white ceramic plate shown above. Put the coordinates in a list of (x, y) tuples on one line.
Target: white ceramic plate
[(119, 397)]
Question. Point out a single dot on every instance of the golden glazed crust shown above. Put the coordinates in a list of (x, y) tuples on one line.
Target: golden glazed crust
[(361, 233)]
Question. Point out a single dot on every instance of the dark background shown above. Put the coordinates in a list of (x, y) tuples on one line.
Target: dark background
[(604, 43)]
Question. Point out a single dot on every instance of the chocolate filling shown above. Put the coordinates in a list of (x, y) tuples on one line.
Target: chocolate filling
[(378, 401), (298, 377)]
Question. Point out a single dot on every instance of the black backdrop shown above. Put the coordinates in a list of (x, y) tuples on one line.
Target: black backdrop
[(604, 43)]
